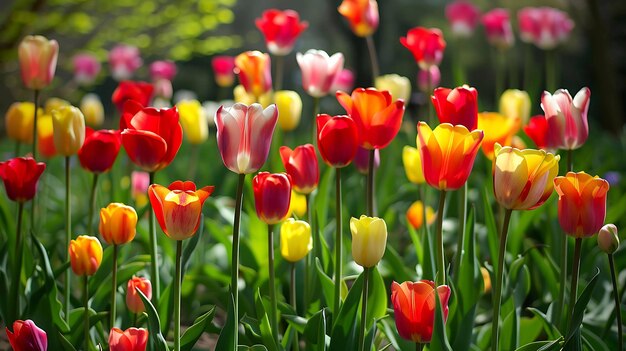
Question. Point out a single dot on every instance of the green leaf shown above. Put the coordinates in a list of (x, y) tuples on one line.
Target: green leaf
[(102, 293), (542, 346), (550, 329), (199, 326), (328, 286), (579, 309), (154, 324), (66, 344), (226, 340), (376, 298), (264, 323), (251, 348), (490, 222), (315, 330), (191, 245), (439, 341), (368, 343), (345, 328)]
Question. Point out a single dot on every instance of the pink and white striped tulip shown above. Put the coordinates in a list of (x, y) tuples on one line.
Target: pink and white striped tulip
[(86, 68), (319, 71), (244, 135), (344, 81), (124, 61), (567, 118), (498, 27), (545, 27), (463, 17)]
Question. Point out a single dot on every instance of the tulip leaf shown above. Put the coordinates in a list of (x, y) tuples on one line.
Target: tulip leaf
[(579, 310), (154, 323), (368, 343), (251, 348), (191, 245), (439, 340), (226, 340), (388, 327), (542, 346), (328, 286), (315, 330), (376, 298), (199, 326), (66, 344), (490, 222), (549, 328), (102, 294), (264, 323), (344, 332)]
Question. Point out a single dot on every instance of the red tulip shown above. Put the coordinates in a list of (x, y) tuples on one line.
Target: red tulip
[(124, 61), (20, 176), (150, 136), (133, 300), (86, 68), (26, 336), (337, 139), (280, 29), (301, 165), (131, 339), (457, 106), (140, 92), (223, 68), (537, 130), (377, 117), (498, 27), (163, 70), (545, 27), (272, 196), (463, 17), (99, 150), (426, 45)]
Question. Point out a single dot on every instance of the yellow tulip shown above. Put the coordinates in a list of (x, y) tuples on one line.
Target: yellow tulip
[(18, 121), (295, 240), (523, 179), (45, 136), (415, 215), (92, 108), (85, 255), (194, 121), (297, 206), (289, 106), (69, 130), (118, 223), (413, 165), (515, 104), (369, 238), (498, 129), (54, 104), (240, 95), (486, 279), (398, 86)]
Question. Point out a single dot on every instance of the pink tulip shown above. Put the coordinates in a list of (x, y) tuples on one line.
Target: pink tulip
[(463, 17), (124, 61), (428, 79), (139, 183), (545, 27), (162, 70), (567, 118), (344, 81), (86, 68), (498, 27), (26, 336), (163, 88), (38, 61), (244, 135), (319, 71), (223, 68)]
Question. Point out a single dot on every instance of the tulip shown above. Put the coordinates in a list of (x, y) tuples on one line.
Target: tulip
[(362, 15), (178, 207), (92, 109), (163, 70), (344, 81), (69, 130), (295, 240), (369, 238), (522, 179), (498, 129), (27, 336), (20, 176), (54, 103), (398, 86), (244, 135), (223, 68), (280, 29), (272, 196), (45, 136), (151, 137), (498, 27), (18, 121), (131, 339), (486, 279), (297, 206), (254, 71), (85, 255), (413, 165), (194, 121), (428, 79), (86, 68), (118, 223), (457, 106), (463, 17), (414, 308), (241, 96), (319, 71), (139, 183), (582, 203), (124, 61), (447, 154), (290, 106), (566, 118), (301, 165), (608, 240), (361, 160), (515, 105), (537, 131), (38, 61), (140, 92), (163, 91), (377, 117), (426, 45), (415, 215), (133, 300), (337, 139), (544, 27), (100, 149)]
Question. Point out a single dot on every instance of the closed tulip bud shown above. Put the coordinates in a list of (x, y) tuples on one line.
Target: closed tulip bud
[(45, 136), (295, 240), (289, 105), (69, 130), (398, 86), (20, 176), (457, 106), (298, 205), (194, 121), (319, 71), (426, 45), (99, 150), (608, 240), (415, 215), (38, 61), (337, 139), (223, 69), (163, 90), (124, 61), (18, 121), (254, 71), (301, 165), (463, 17), (413, 165), (118, 223), (280, 29), (85, 255), (362, 16), (27, 336), (498, 28), (515, 105), (55, 103), (133, 300), (163, 70), (92, 109), (139, 183), (369, 239), (486, 279), (131, 339), (272, 196), (428, 79), (498, 129)]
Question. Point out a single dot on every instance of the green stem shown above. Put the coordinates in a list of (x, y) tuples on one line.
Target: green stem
[(573, 291), (419, 346), (461, 231), (36, 101), (114, 287), (618, 308), (280, 66), (193, 161), (551, 79), (499, 274), (274, 305), (309, 260), (316, 111), (135, 315), (177, 283), (441, 265), (68, 234), (234, 271), (92, 202), (294, 304), (570, 160), (370, 183), (86, 315), (560, 307), (154, 264), (338, 244), (17, 269), (366, 280), (18, 146), (371, 48)]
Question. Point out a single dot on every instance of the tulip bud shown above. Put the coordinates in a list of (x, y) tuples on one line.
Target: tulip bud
[(289, 105), (133, 300), (69, 130), (272, 196), (398, 86), (118, 223), (139, 183), (163, 70), (20, 176), (92, 109), (86, 68), (413, 165), (54, 103), (194, 121), (515, 105), (240, 95), (608, 240), (486, 279), (18, 121), (85, 255), (131, 339), (301, 165), (223, 68), (415, 215), (26, 336), (38, 61), (295, 240), (369, 238), (124, 61), (45, 136), (297, 206)]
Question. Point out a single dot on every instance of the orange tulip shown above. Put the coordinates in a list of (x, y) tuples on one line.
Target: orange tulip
[(415, 215), (582, 203), (85, 255), (253, 69), (498, 129), (362, 14), (118, 223), (447, 153)]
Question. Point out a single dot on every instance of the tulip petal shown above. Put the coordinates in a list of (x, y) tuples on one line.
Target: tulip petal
[(146, 149), (157, 194)]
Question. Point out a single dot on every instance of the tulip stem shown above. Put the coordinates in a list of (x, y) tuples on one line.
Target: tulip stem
[(17, 270), (193, 161), (573, 291), (618, 309), (419, 346), (309, 260), (114, 287), (316, 111), (461, 231), (338, 244), (234, 271), (154, 267), (280, 67), (68, 234), (441, 264), (370, 183), (551, 70), (274, 306), (177, 283), (499, 274), (294, 304), (92, 204), (366, 280), (18, 146), (36, 101), (560, 307), (86, 315), (371, 47)]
